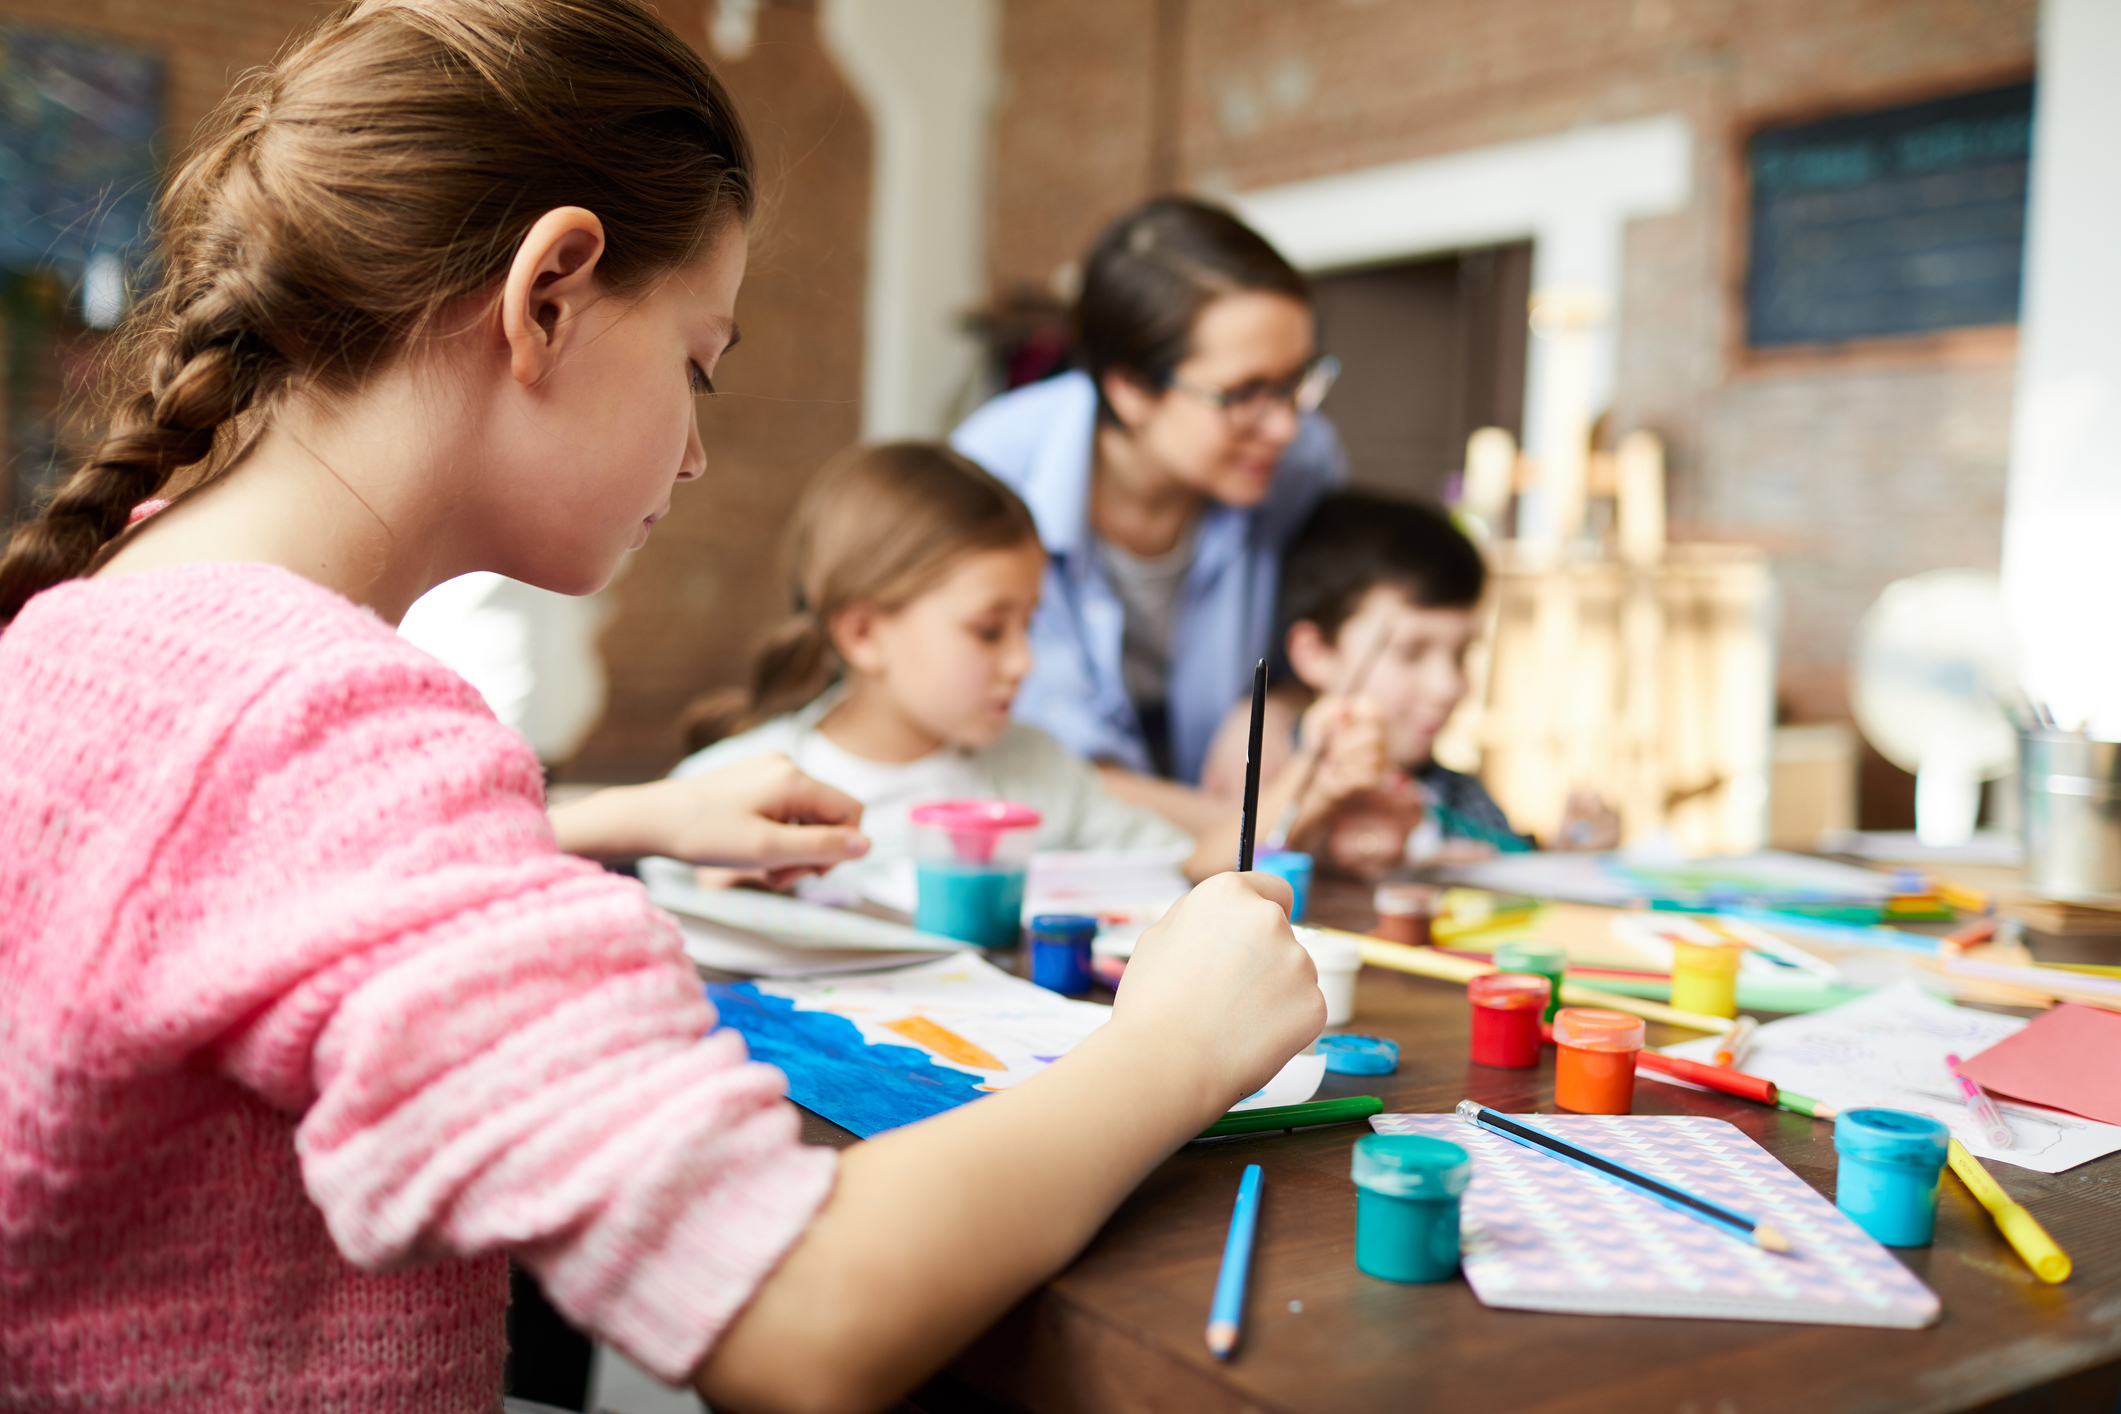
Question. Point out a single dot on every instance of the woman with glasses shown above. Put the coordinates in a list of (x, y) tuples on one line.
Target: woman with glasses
[(1165, 474)]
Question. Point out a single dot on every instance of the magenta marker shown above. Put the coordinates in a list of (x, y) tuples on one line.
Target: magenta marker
[(1999, 1134)]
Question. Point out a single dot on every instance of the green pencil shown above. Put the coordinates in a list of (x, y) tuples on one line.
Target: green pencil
[(1301, 1116), (1803, 1104)]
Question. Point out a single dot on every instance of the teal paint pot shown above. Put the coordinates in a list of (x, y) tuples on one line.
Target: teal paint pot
[(1888, 1167), (1407, 1188), (1294, 866)]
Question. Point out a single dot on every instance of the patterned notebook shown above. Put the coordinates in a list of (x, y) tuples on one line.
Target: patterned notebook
[(1543, 1235)]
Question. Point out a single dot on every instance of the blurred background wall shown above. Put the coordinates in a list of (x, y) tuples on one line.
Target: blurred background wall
[(937, 166)]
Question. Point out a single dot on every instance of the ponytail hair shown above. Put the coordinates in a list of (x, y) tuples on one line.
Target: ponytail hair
[(383, 168), (880, 525)]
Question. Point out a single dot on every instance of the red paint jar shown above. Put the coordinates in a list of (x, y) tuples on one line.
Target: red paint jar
[(1507, 1010), (1594, 1060)]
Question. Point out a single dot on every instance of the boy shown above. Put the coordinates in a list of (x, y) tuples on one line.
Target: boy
[(1377, 609)]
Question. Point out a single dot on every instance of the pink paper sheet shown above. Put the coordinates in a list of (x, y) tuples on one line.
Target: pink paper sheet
[(2069, 1058)]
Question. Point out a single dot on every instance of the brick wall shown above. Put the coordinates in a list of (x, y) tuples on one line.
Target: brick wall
[(1851, 475), (686, 609)]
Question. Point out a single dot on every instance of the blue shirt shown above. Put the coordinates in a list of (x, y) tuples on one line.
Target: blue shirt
[(1040, 440)]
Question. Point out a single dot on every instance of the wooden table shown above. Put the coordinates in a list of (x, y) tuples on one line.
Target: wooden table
[(1121, 1329)]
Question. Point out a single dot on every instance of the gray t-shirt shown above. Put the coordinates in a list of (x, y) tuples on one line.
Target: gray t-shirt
[(1148, 590)]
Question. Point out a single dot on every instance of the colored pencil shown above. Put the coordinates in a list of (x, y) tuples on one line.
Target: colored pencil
[(1677, 1199), (2019, 1228), (1732, 1082), (1227, 1315), (1248, 824), (1310, 1112)]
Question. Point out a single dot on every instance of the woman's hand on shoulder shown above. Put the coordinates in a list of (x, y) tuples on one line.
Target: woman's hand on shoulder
[(761, 814)]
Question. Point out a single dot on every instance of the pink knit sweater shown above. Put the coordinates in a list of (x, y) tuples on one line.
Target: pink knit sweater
[(304, 1021)]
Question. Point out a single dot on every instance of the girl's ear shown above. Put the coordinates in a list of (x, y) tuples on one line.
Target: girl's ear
[(550, 283), (1134, 400), (853, 631), (1314, 659)]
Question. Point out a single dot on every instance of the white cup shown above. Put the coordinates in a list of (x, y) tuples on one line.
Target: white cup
[(1337, 956)]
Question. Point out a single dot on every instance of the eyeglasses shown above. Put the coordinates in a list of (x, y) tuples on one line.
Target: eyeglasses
[(1246, 406)]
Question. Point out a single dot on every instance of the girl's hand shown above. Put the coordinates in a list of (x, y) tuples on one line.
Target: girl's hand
[(761, 814), (1219, 989)]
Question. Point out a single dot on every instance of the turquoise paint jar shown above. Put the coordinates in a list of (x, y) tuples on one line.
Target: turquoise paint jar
[(970, 858), (1406, 1205), (1294, 866), (1889, 1165)]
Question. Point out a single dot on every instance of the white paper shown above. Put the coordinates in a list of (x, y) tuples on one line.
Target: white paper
[(1593, 878), (1888, 1049), (1022, 1026), (751, 955), (792, 922)]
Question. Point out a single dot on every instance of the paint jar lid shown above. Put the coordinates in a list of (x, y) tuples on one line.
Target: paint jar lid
[(1594, 1029), (1407, 900), (957, 815), (1527, 956), (1716, 959), (1359, 1055), (1071, 928), (1411, 1166), (1892, 1137), (1510, 991)]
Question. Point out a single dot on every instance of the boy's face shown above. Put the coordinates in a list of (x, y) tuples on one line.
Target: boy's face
[(1418, 676)]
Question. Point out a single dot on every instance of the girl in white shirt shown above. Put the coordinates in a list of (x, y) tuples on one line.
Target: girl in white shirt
[(916, 577)]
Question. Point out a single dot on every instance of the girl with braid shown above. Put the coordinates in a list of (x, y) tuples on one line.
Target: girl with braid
[(310, 1016)]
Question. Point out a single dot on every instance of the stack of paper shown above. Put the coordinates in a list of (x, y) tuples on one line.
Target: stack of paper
[(1888, 1049)]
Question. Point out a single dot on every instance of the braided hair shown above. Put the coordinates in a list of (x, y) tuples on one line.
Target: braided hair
[(384, 168)]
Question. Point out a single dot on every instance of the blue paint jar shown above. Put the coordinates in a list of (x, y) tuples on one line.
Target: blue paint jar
[(1406, 1205), (1060, 951), (1293, 865), (1890, 1162)]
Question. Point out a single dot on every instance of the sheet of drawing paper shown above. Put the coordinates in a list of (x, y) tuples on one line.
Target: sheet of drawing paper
[(2069, 1057), (752, 955), (880, 1050), (794, 922), (1888, 1049), (1540, 1234), (1620, 879)]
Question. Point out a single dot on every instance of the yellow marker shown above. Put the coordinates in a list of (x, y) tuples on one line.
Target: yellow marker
[(944, 1042), (2019, 1227), (1964, 897)]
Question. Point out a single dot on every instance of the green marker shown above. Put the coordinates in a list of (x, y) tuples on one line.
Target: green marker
[(1273, 1117)]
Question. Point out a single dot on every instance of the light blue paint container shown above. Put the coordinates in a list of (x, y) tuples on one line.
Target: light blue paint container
[(1890, 1162), (1407, 1188), (970, 859), (1294, 866)]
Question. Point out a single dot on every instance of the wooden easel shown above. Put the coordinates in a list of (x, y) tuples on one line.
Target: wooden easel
[(1639, 669)]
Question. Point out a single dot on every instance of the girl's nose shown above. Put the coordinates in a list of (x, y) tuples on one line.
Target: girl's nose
[(694, 465)]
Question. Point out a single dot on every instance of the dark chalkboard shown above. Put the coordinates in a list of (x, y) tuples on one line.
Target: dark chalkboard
[(1899, 221)]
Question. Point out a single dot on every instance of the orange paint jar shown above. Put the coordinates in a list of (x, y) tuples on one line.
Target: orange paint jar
[(1594, 1065)]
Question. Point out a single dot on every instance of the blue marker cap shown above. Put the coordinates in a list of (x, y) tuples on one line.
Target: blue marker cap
[(1359, 1055)]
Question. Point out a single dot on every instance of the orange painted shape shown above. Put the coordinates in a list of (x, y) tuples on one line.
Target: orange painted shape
[(944, 1042)]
